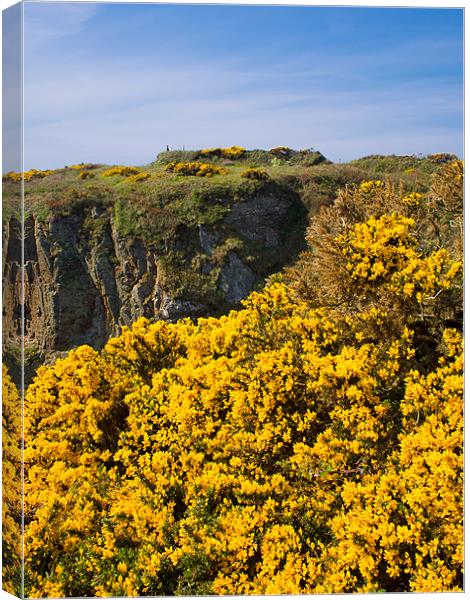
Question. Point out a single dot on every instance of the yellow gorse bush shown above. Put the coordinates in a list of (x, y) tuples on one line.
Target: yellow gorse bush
[(35, 173), (27, 175), (413, 199), (86, 175), (139, 177), (120, 171), (11, 486), (385, 250), (377, 246), (231, 153), (197, 169), (292, 446), (12, 176), (371, 186), (80, 166), (274, 450), (255, 173)]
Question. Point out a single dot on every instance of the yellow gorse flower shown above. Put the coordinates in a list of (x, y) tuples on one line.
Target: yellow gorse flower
[(233, 152), (27, 175), (120, 171), (252, 449), (197, 169)]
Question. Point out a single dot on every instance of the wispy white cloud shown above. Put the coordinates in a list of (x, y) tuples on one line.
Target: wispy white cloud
[(93, 87), (101, 119), (46, 22)]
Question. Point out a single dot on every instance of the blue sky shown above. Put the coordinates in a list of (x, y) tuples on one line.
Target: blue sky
[(116, 83)]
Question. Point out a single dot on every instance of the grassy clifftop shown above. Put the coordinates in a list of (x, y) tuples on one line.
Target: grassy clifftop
[(151, 199)]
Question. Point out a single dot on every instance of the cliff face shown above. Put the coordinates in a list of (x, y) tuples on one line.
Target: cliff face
[(84, 279)]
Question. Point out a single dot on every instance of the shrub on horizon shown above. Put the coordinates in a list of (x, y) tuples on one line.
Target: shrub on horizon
[(281, 151), (121, 171), (81, 166), (27, 175), (232, 153), (197, 169)]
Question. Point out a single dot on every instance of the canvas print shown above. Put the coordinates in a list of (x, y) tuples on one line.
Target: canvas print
[(232, 299)]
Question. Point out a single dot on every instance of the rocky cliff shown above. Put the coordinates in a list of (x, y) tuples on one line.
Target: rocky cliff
[(175, 238), (84, 279)]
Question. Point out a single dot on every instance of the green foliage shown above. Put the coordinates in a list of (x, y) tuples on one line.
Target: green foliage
[(194, 210), (319, 185), (445, 221), (77, 198), (306, 172), (95, 224), (176, 156), (230, 244), (181, 275), (86, 175), (282, 152), (254, 173), (258, 158), (308, 158), (171, 209), (442, 158), (413, 171), (125, 217)]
